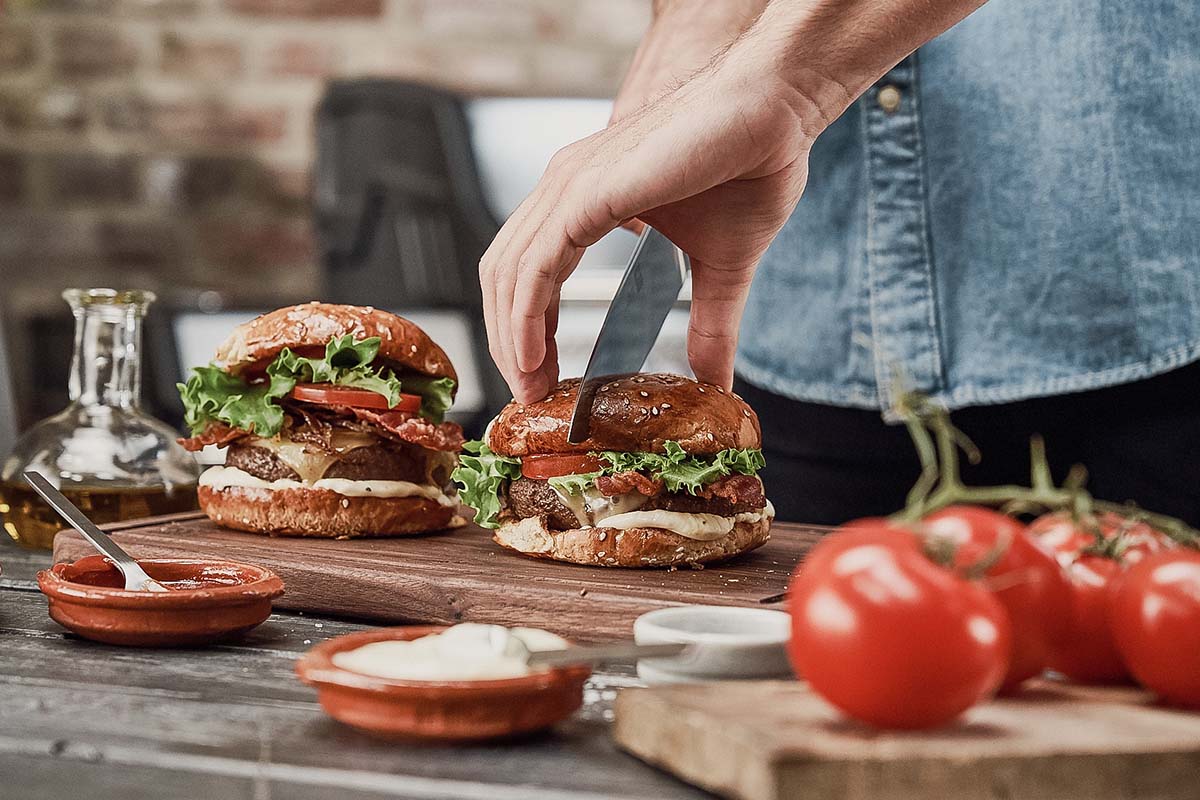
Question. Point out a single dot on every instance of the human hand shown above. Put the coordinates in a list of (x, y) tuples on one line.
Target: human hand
[(684, 38), (716, 164)]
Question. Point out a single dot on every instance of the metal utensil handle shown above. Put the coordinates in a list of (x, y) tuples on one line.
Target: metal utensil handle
[(68, 511), (604, 653)]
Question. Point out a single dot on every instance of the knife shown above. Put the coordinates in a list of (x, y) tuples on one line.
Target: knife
[(656, 272), (603, 654)]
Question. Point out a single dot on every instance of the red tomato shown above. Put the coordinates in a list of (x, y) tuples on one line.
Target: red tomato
[(1087, 652), (330, 395), (1026, 580), (889, 637), (540, 468), (1068, 539), (1155, 614)]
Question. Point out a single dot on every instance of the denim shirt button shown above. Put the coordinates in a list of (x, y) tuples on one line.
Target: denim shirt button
[(889, 99)]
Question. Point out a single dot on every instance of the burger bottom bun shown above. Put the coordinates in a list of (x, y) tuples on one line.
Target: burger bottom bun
[(323, 513), (633, 547)]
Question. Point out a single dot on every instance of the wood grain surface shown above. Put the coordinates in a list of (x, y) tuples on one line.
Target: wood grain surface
[(462, 576), (82, 719), (773, 740)]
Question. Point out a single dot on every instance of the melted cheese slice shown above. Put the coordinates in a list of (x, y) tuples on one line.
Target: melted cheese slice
[(311, 464), (225, 477), (701, 527)]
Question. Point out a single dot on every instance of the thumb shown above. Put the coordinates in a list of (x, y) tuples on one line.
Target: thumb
[(718, 300)]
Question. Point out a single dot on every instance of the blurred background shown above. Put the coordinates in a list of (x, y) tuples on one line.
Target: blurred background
[(238, 155)]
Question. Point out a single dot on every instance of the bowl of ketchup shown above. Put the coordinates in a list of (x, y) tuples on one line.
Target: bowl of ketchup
[(206, 601)]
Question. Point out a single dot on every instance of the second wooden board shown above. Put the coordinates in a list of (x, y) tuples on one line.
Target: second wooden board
[(776, 740), (463, 576)]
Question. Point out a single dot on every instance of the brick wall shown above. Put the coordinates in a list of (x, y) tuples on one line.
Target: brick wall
[(166, 143)]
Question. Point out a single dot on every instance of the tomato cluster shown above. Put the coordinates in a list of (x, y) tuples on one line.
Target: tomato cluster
[(907, 626)]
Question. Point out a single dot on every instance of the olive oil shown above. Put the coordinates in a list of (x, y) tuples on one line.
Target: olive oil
[(30, 522)]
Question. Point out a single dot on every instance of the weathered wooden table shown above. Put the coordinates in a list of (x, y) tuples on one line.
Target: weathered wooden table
[(79, 719)]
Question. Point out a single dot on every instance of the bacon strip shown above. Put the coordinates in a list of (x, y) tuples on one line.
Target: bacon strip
[(412, 428), (624, 482), (217, 433)]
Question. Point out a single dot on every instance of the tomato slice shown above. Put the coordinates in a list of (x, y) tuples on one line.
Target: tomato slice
[(329, 395), (552, 466)]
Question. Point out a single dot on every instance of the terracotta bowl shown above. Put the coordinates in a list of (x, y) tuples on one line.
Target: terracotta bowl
[(208, 601), (441, 711)]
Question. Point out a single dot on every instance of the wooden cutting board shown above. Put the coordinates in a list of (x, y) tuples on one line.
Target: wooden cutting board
[(461, 576), (774, 740)]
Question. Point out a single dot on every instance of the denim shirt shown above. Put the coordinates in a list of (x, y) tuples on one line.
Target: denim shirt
[(1011, 212)]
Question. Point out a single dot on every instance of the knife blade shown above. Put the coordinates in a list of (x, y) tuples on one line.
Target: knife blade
[(655, 274), (604, 654)]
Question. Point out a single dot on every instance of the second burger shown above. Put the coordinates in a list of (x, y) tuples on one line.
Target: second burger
[(333, 420), (667, 477)]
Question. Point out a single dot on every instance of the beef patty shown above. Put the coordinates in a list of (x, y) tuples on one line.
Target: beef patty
[(386, 461), (530, 498)]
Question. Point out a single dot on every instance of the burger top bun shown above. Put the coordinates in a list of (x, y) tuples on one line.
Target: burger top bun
[(314, 324), (635, 413)]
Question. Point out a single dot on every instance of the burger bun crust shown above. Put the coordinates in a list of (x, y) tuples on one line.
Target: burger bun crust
[(315, 324), (635, 413), (323, 513), (633, 547)]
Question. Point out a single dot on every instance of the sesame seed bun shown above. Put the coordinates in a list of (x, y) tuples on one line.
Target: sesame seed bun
[(313, 325), (634, 547), (635, 413)]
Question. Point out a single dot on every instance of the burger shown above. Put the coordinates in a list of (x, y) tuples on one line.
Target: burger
[(668, 476), (332, 417)]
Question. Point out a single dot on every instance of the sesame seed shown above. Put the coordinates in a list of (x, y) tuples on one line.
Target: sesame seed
[(701, 388), (603, 535), (644, 394), (746, 411), (345, 503), (600, 554), (666, 406), (720, 390), (639, 380), (654, 411), (413, 348)]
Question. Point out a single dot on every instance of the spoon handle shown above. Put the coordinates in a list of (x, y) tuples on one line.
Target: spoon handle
[(133, 572)]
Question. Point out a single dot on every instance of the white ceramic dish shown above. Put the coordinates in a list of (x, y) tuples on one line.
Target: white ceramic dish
[(728, 643)]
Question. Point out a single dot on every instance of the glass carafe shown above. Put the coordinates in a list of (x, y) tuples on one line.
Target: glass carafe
[(109, 457)]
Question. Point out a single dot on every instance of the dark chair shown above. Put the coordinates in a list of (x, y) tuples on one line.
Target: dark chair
[(400, 214)]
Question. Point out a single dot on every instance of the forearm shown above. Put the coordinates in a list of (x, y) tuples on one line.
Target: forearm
[(831, 51)]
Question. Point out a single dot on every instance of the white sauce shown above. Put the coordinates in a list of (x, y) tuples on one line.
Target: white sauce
[(467, 652), (225, 477), (593, 509)]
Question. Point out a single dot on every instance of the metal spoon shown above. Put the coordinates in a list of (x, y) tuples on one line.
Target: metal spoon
[(136, 578)]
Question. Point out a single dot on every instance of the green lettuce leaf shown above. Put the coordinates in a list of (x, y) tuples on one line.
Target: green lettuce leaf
[(574, 484), (483, 475), (680, 471), (212, 395), (437, 394)]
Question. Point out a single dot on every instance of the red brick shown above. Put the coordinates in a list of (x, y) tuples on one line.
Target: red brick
[(56, 109), (132, 244), (307, 8), (93, 52), (17, 49), (489, 19), (210, 182), (250, 243), (201, 122), (304, 59), (12, 179), (90, 179), (199, 57)]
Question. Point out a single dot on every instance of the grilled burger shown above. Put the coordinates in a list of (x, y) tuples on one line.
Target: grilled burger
[(333, 420), (668, 476)]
